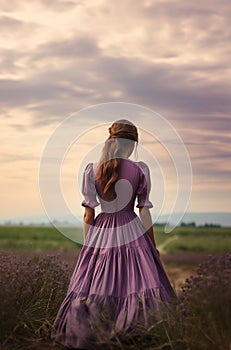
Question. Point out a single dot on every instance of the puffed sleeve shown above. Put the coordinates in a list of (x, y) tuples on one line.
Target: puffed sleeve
[(144, 187), (88, 188)]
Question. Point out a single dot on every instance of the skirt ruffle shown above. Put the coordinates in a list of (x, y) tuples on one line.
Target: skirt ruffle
[(85, 321)]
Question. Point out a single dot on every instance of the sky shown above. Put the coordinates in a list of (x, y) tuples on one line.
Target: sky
[(59, 57)]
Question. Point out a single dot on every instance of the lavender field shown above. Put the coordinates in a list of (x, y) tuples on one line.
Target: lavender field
[(34, 276)]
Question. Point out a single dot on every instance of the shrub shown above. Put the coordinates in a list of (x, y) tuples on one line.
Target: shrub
[(205, 300), (31, 291)]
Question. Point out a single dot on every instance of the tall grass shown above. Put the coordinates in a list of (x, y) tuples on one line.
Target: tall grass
[(32, 290)]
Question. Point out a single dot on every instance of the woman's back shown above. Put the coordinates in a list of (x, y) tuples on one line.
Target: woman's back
[(133, 182)]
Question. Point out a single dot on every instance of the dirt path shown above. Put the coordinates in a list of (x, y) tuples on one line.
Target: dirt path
[(162, 246)]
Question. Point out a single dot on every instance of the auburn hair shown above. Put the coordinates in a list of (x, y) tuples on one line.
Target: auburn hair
[(122, 135)]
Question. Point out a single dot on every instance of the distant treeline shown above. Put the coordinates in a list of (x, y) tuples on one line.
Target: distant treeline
[(182, 224), (189, 224), (193, 224)]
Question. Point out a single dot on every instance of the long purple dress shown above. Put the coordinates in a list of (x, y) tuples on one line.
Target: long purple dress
[(119, 280)]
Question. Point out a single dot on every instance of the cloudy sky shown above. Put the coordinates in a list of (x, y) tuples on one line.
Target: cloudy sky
[(60, 56)]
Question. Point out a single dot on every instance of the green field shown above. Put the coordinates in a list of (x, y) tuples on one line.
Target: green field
[(181, 239), (196, 239), (37, 238)]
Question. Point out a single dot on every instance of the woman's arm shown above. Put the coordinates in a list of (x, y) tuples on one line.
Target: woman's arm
[(88, 219), (146, 219)]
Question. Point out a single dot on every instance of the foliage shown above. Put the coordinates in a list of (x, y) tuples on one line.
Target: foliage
[(205, 299), (32, 290)]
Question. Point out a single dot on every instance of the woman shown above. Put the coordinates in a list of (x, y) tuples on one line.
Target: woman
[(119, 281)]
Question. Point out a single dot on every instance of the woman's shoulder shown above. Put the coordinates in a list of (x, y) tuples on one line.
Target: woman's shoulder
[(133, 162), (142, 166), (91, 168), (136, 167), (88, 168)]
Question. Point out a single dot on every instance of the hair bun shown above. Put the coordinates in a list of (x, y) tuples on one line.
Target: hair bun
[(123, 129)]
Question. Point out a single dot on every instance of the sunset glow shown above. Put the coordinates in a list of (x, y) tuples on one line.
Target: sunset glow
[(60, 56)]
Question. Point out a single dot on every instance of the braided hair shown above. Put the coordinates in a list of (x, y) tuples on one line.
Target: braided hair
[(122, 137)]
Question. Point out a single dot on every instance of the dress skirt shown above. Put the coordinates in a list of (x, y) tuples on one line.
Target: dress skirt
[(119, 282)]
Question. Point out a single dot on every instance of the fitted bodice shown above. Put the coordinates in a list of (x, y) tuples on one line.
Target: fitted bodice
[(133, 182)]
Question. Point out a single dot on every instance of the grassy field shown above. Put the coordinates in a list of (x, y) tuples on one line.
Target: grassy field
[(181, 250), (37, 238), (182, 239), (196, 239), (195, 259)]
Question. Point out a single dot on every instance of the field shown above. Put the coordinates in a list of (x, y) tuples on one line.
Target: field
[(182, 239), (32, 257)]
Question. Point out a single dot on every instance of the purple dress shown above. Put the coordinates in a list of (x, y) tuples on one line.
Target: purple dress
[(119, 280)]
